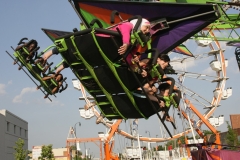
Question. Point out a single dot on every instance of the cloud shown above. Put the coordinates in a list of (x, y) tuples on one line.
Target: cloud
[(232, 65), (9, 82), (208, 71), (182, 66), (54, 103), (23, 97), (2, 89), (19, 98)]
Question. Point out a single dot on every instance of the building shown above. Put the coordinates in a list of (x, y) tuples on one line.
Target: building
[(235, 121), (59, 153), (36, 152), (12, 128)]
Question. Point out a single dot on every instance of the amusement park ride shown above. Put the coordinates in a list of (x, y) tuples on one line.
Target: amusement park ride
[(104, 74)]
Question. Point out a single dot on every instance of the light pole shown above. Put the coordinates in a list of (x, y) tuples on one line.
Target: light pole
[(149, 137), (79, 124), (157, 144), (88, 156)]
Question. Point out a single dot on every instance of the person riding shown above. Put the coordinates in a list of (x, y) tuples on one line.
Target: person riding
[(29, 46), (126, 30), (58, 78), (46, 55)]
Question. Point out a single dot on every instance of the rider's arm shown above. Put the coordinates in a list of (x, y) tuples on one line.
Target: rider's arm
[(19, 47)]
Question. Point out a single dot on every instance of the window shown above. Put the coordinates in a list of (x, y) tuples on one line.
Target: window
[(8, 125), (26, 133), (14, 129)]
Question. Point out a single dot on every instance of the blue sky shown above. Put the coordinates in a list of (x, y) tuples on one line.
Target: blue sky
[(49, 122)]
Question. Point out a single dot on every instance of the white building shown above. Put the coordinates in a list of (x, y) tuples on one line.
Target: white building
[(36, 152), (12, 128), (59, 153)]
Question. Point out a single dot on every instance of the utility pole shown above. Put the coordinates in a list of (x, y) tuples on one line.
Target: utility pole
[(131, 132)]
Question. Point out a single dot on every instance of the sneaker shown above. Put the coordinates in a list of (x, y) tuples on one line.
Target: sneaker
[(15, 62), (45, 96), (38, 87), (20, 67)]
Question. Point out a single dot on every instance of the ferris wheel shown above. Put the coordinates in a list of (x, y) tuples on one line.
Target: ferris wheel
[(203, 90), (210, 105)]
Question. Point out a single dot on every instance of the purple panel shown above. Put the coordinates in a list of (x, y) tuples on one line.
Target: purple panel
[(232, 43), (225, 154), (171, 37), (215, 154)]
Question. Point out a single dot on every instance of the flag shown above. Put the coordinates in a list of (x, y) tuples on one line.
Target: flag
[(182, 49)]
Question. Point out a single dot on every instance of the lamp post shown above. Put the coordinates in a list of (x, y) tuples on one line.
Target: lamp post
[(149, 137), (88, 156), (157, 144), (79, 123)]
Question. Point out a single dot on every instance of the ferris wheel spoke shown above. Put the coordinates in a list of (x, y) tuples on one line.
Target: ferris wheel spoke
[(194, 95), (196, 75), (195, 57)]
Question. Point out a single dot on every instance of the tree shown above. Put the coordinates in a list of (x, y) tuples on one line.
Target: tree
[(79, 153), (160, 148), (20, 153), (206, 132), (47, 153), (232, 137), (182, 139)]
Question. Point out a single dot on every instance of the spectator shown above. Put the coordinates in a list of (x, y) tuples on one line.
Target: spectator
[(170, 151)]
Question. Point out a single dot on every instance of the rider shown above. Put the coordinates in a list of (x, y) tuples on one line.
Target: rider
[(127, 28), (30, 46), (47, 55), (58, 78)]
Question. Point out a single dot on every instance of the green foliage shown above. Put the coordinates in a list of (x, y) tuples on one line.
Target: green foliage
[(160, 148), (20, 153), (232, 137), (78, 154), (182, 139), (47, 153), (206, 132), (197, 136)]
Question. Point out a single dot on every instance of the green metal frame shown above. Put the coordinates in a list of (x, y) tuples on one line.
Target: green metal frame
[(93, 76), (44, 84), (114, 71)]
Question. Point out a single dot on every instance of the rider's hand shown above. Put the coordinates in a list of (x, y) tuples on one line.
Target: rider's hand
[(135, 59), (123, 49), (144, 73), (162, 104), (154, 89)]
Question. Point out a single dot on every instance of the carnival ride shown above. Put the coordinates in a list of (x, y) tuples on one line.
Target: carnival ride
[(95, 62)]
